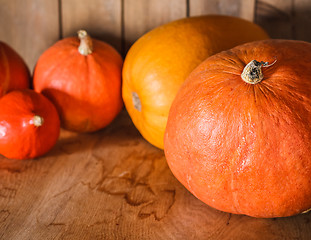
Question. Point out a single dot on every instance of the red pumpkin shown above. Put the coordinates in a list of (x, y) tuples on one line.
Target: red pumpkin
[(83, 79), (14, 73), (29, 124), (239, 133)]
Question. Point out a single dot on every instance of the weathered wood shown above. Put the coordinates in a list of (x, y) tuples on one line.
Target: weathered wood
[(29, 26), (101, 19), (276, 17), (243, 9), (114, 185), (141, 16), (302, 20)]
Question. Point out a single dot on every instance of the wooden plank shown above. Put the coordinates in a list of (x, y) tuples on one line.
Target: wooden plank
[(243, 9), (114, 185), (276, 17), (141, 16), (101, 19), (29, 26), (302, 20)]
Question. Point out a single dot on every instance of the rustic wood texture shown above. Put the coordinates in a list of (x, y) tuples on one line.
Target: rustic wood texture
[(285, 18), (29, 26), (302, 20), (276, 17), (101, 19), (238, 8), (140, 16), (114, 185)]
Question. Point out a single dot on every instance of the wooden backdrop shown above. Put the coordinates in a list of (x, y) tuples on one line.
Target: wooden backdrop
[(31, 26), (113, 184)]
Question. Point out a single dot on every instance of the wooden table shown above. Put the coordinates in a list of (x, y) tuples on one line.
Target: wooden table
[(114, 185)]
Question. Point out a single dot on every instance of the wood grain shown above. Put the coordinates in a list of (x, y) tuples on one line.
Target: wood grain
[(29, 26), (101, 19), (302, 20), (238, 8), (141, 16), (276, 17), (114, 185)]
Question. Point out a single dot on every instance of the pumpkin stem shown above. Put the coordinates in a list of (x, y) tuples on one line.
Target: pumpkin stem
[(308, 210), (136, 101), (37, 121), (252, 72), (86, 44)]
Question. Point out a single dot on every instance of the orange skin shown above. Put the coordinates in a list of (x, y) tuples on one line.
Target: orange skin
[(159, 62), (86, 90), (245, 148), (19, 137), (14, 73)]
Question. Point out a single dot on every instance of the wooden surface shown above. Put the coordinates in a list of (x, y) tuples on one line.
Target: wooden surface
[(141, 16), (238, 8), (113, 184), (101, 19), (31, 26)]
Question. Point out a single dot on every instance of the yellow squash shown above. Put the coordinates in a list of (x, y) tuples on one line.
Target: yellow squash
[(158, 63)]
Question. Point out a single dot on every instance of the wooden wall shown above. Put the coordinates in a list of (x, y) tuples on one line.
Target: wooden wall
[(31, 26)]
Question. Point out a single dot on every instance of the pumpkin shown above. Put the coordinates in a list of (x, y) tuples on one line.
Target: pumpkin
[(82, 77), (238, 134), (14, 73), (158, 63), (29, 124)]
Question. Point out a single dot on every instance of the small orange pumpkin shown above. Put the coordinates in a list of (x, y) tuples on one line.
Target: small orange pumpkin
[(29, 124), (159, 62), (14, 73), (83, 79), (238, 134)]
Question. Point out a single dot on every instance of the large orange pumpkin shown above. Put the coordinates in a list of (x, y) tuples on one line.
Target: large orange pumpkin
[(82, 77), (238, 134), (159, 62), (14, 73)]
